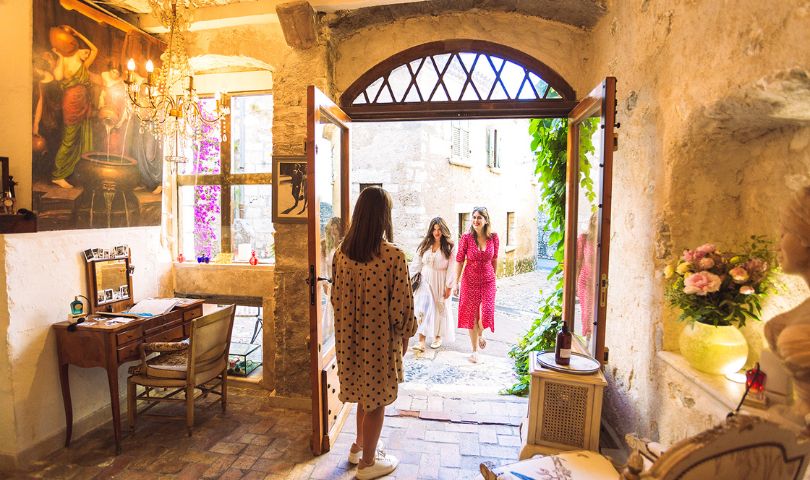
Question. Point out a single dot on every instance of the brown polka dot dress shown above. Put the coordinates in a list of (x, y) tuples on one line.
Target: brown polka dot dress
[(373, 306)]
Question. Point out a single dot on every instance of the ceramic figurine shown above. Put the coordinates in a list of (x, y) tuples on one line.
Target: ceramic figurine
[(788, 334)]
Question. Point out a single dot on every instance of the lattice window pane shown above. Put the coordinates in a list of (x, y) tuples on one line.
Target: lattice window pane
[(454, 78), (385, 94), (374, 89), (399, 80), (512, 77), (458, 76)]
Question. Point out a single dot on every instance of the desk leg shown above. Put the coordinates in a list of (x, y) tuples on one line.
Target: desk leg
[(63, 381), (112, 379)]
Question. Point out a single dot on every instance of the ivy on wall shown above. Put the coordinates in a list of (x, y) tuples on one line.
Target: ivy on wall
[(550, 145)]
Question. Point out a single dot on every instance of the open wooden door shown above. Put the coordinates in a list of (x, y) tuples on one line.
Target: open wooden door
[(589, 173), (327, 195)]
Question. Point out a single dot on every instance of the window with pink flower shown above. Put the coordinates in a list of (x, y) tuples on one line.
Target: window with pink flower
[(225, 191)]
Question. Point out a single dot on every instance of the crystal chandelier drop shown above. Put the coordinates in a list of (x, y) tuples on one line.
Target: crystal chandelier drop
[(167, 104)]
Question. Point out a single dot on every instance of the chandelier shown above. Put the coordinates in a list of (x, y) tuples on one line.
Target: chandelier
[(167, 104)]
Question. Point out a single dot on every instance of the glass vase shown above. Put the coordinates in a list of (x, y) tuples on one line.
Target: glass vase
[(714, 350)]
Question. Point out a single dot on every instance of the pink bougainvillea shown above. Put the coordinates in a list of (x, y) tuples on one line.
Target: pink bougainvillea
[(207, 197)]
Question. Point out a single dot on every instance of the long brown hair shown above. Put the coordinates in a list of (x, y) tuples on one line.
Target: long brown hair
[(371, 223), (446, 242), (486, 229)]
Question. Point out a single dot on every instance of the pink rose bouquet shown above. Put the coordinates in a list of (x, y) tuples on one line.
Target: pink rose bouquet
[(721, 288)]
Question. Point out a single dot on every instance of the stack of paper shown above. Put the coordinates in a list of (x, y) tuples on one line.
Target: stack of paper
[(154, 306)]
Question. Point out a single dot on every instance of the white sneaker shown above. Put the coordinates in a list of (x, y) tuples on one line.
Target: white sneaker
[(383, 465), (354, 457), (474, 357)]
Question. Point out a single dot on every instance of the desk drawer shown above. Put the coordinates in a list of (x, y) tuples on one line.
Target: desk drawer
[(129, 352), (193, 313), (153, 325), (129, 335), (174, 333)]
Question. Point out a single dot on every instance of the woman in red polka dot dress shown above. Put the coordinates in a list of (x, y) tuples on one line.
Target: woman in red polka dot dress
[(478, 259)]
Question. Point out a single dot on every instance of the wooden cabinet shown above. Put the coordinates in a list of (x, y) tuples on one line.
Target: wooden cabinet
[(564, 411)]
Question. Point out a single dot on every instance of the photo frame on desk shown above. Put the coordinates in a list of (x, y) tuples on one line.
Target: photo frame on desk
[(290, 189)]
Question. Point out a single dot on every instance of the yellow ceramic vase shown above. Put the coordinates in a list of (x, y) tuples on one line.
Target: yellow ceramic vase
[(715, 350)]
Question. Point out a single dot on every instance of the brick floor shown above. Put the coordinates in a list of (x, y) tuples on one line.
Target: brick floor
[(439, 428)]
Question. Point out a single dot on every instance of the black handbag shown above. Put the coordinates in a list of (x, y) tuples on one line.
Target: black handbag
[(415, 281)]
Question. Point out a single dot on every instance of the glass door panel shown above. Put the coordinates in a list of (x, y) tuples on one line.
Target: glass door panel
[(588, 207), (327, 194)]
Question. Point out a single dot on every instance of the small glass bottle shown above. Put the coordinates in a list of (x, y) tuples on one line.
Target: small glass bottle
[(76, 306), (253, 260), (562, 350), (181, 258)]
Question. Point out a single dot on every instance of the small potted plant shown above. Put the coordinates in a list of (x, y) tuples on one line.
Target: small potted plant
[(717, 292)]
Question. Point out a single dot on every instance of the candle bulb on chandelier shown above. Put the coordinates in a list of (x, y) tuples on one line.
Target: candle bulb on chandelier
[(150, 67), (131, 70)]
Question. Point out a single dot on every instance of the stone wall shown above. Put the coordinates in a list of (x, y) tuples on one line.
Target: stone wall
[(236, 281), (713, 102)]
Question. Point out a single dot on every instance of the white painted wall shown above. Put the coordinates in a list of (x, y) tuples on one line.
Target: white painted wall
[(42, 272)]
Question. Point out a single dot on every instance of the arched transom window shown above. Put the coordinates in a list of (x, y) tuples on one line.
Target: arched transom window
[(458, 78)]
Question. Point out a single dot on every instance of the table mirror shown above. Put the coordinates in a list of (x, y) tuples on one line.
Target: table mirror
[(109, 280)]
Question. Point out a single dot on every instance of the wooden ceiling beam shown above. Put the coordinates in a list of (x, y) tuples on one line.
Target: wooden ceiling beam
[(298, 24)]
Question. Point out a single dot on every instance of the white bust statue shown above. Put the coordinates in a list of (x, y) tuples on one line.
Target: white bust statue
[(788, 334)]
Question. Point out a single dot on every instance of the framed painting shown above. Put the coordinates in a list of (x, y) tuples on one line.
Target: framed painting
[(290, 189)]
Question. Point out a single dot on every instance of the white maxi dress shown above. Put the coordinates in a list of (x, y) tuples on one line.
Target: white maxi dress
[(431, 309)]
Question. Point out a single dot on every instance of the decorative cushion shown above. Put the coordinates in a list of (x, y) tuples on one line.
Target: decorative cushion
[(165, 365), (579, 465), (166, 346)]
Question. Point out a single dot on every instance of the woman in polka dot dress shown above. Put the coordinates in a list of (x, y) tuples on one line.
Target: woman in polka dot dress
[(478, 258), (374, 320)]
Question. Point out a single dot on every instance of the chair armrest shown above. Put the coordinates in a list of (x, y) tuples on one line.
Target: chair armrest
[(165, 346), (649, 450)]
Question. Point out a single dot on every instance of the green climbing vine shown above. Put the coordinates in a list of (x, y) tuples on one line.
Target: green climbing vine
[(550, 145)]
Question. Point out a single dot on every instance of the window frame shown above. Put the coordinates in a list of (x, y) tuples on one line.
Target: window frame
[(225, 179), (510, 234)]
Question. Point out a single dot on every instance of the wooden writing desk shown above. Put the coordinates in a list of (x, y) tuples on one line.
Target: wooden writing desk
[(96, 343)]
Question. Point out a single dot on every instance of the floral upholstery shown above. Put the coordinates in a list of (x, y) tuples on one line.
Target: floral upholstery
[(166, 346), (579, 465)]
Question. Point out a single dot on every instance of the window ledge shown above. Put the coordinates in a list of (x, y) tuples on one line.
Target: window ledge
[(728, 393), (458, 162), (509, 248), (261, 266)]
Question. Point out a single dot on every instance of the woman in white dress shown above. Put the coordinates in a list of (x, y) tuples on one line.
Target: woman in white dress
[(435, 260)]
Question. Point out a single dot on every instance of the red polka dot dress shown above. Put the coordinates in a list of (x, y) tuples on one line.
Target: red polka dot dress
[(477, 282)]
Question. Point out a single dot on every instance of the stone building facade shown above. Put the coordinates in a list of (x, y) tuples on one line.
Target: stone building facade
[(445, 168)]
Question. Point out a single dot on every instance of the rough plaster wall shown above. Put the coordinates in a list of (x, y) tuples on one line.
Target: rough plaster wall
[(293, 70), (8, 441), (43, 272), (16, 28), (710, 141), (561, 47), (237, 281)]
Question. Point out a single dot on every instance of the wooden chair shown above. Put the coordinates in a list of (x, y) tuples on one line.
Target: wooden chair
[(199, 362), (742, 447)]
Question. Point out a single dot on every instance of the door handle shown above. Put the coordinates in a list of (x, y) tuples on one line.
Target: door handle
[(324, 279)]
